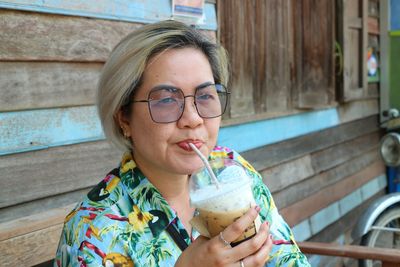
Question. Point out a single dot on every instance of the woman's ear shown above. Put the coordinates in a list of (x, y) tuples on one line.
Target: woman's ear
[(124, 123)]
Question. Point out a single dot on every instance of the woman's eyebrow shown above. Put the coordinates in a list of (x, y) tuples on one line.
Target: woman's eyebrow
[(173, 88), (205, 84), (164, 86)]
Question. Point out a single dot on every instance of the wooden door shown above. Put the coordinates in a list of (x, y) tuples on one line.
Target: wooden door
[(353, 39)]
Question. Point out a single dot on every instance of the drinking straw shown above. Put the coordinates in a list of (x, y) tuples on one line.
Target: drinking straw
[(206, 163)]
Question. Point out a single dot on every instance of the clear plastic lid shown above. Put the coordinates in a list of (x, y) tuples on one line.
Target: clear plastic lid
[(230, 175)]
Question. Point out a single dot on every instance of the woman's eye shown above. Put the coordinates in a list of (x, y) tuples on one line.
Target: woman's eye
[(167, 100), (205, 97)]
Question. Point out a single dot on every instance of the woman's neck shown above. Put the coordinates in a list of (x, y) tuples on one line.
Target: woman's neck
[(175, 189)]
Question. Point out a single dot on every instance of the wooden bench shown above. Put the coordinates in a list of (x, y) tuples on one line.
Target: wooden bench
[(32, 240), (388, 257)]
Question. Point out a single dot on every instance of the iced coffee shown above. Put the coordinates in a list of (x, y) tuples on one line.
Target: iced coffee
[(218, 207)]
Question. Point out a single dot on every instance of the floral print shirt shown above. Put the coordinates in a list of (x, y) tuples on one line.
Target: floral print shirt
[(123, 220)]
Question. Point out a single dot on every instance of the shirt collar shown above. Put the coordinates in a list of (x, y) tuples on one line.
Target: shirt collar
[(150, 207)]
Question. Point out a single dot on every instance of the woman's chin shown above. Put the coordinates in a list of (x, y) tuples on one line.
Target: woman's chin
[(190, 166)]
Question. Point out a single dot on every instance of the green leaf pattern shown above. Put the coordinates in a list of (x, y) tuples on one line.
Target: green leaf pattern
[(114, 226)]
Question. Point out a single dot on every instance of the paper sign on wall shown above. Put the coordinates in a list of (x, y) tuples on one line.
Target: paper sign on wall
[(189, 11)]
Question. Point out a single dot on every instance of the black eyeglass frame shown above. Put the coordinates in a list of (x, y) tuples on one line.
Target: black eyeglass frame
[(148, 100)]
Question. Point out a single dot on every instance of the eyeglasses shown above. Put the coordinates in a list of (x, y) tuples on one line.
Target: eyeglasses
[(167, 103)]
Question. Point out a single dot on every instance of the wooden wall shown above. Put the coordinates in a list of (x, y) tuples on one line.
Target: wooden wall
[(285, 63), (280, 58), (317, 153), (52, 149)]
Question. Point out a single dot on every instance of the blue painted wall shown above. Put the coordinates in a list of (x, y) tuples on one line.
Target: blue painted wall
[(39, 129), (126, 10), (255, 134), (395, 15)]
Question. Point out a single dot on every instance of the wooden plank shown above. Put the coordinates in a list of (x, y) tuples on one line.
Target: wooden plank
[(35, 222), (302, 231), (352, 251), (324, 217), (38, 129), (352, 8), (373, 26), (355, 63), (275, 91), (260, 133), (333, 212), (287, 173), (384, 65), (260, 117), (345, 224), (260, 61), (298, 191), (352, 200), (333, 156), (267, 156), (34, 85), (354, 23), (374, 8), (315, 72), (330, 194), (32, 248), (364, 46), (32, 207), (296, 65), (373, 41), (358, 109), (48, 174), (373, 90), (353, 34), (58, 38), (149, 11), (240, 50)]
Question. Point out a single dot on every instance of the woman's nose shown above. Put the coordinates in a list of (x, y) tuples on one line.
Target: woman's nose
[(190, 116)]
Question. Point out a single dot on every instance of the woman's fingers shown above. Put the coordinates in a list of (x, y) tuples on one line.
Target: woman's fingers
[(236, 229), (261, 256), (252, 245)]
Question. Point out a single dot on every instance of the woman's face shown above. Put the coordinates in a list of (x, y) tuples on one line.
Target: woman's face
[(164, 147)]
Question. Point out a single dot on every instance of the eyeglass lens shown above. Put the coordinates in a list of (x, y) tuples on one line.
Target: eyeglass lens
[(167, 104)]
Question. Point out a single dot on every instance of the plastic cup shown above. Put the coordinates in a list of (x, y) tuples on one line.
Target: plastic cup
[(218, 207)]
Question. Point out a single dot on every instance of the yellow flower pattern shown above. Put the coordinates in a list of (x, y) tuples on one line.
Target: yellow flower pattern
[(123, 221), (139, 219)]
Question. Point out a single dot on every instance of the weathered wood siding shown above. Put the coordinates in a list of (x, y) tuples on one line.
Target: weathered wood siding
[(285, 60), (317, 150), (280, 58)]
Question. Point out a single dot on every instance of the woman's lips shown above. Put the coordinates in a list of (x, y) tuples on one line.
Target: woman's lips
[(185, 144)]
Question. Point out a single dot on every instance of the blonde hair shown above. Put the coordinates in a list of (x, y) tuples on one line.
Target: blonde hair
[(123, 71)]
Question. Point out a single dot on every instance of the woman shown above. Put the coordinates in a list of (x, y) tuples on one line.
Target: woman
[(163, 88)]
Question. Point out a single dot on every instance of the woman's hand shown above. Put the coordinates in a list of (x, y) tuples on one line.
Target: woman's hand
[(214, 252)]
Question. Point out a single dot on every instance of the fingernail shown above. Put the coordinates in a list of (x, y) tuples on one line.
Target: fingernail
[(257, 208), (267, 223), (270, 236)]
